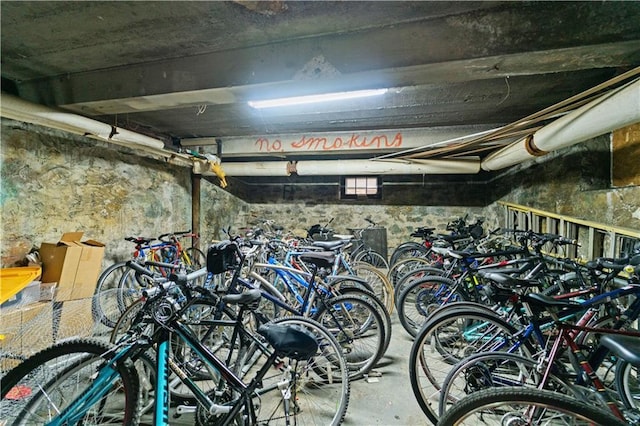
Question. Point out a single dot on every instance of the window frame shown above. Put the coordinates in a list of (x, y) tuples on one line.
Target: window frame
[(349, 188)]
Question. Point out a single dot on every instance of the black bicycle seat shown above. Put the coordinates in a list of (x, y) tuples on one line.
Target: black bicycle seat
[(322, 259), (290, 340)]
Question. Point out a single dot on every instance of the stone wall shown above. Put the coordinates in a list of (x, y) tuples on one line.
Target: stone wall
[(54, 182), (219, 211)]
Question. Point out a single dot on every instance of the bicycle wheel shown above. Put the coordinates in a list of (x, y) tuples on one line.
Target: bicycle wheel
[(405, 266), (322, 382), (525, 406), (358, 327), (47, 384), (422, 297), (372, 258), (302, 392), (129, 289), (382, 310), (628, 384), (409, 277), (406, 250), (378, 280), (194, 259), (493, 369), (104, 305), (450, 335)]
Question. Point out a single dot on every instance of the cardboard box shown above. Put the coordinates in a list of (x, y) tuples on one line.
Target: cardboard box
[(74, 264)]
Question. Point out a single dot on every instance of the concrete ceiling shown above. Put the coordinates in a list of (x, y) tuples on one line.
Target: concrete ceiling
[(186, 69)]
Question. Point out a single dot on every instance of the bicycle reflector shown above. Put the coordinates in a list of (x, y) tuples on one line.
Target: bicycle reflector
[(222, 257)]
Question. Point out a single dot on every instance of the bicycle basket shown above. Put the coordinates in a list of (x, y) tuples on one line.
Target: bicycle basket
[(222, 257)]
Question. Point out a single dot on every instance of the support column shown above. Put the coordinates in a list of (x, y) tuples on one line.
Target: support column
[(195, 206)]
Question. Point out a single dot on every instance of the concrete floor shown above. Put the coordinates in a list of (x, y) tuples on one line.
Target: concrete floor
[(389, 401)]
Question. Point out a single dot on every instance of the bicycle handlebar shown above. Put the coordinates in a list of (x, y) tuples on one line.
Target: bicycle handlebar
[(173, 234)]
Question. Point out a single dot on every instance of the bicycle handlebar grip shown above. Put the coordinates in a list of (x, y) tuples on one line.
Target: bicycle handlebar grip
[(563, 240)]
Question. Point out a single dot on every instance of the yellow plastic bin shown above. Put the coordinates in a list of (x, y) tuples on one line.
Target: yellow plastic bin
[(14, 280)]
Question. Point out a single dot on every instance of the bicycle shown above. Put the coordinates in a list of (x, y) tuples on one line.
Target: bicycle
[(461, 329), (353, 313), (116, 286), (361, 252), (625, 344), (170, 255), (369, 276), (89, 380), (460, 279)]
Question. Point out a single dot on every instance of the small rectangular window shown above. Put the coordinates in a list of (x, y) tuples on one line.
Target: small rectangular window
[(361, 186)]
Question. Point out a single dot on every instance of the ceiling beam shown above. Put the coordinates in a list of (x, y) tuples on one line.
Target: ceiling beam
[(168, 84)]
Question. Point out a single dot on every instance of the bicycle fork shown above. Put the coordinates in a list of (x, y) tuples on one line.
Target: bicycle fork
[(101, 386)]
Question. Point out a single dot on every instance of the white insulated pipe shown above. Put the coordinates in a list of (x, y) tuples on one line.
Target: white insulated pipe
[(18, 109), (388, 167), (258, 168), (357, 167), (612, 111)]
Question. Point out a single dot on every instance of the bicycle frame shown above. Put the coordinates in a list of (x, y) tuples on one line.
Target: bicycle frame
[(565, 339), (293, 279), (107, 375), (536, 328)]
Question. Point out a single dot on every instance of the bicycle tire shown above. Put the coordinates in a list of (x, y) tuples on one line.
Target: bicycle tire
[(422, 297), (104, 304), (330, 366), (441, 343), (405, 266), (420, 272), (320, 387), (627, 384), (373, 258), (358, 327), (487, 404), (129, 289), (194, 259), (52, 376), (406, 250), (382, 310), (378, 281), (491, 369)]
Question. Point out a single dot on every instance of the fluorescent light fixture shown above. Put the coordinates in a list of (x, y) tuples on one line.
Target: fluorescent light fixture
[(310, 99)]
